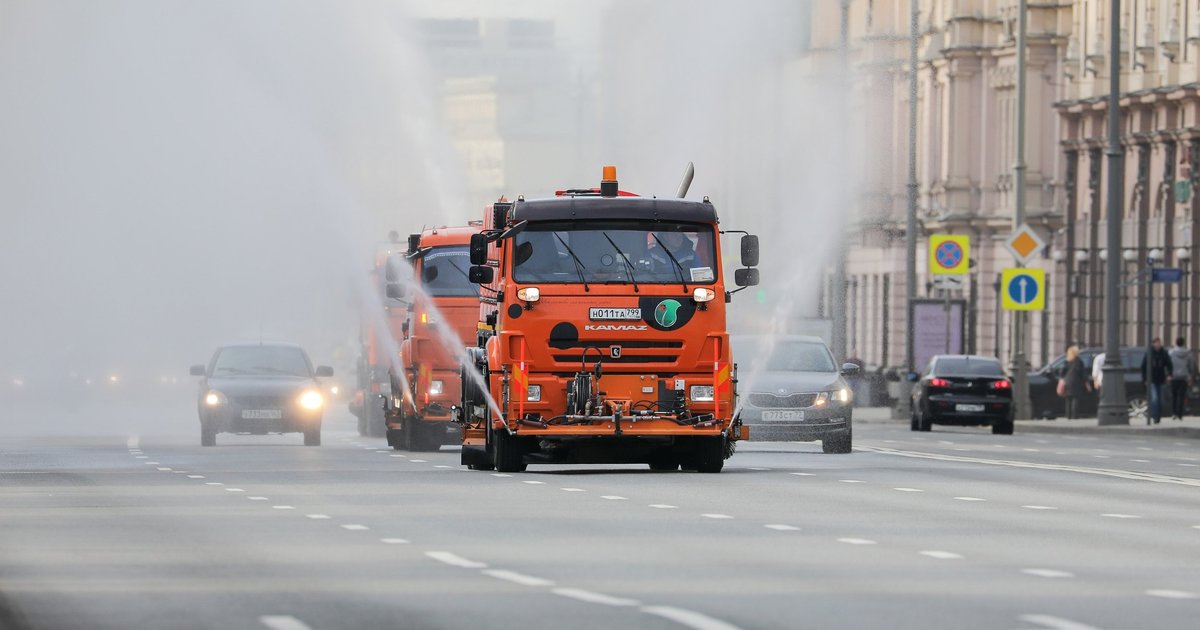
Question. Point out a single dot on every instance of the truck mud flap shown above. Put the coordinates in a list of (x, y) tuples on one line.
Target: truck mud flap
[(476, 456)]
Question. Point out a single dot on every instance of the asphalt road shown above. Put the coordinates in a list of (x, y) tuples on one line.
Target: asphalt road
[(951, 529)]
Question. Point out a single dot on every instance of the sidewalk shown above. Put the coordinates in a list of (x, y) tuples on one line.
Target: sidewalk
[(1188, 428)]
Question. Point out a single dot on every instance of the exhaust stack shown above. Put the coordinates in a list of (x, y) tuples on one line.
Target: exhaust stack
[(684, 185)]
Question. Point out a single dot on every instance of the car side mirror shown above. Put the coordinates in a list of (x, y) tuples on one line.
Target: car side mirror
[(912, 377), (480, 274), (746, 277), (324, 370), (479, 249), (197, 370), (851, 369), (750, 250)]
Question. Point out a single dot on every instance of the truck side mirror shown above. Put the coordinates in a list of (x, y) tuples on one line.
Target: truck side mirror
[(324, 370), (479, 249), (746, 277), (429, 274), (480, 274), (395, 291), (750, 251), (197, 370)]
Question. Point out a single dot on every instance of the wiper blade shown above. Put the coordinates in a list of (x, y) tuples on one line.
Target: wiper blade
[(465, 275), (682, 279), (579, 268), (624, 259)]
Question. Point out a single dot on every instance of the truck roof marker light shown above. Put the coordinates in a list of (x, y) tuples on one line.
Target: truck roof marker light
[(608, 182)]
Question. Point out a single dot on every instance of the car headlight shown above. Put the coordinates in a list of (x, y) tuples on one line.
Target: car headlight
[(842, 395), (534, 393), (701, 393), (821, 400), (436, 388), (701, 294), (311, 400), (529, 294), (214, 398)]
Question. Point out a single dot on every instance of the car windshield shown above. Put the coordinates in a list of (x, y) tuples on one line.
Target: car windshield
[(967, 366), (657, 253), (800, 356), (444, 272), (261, 361)]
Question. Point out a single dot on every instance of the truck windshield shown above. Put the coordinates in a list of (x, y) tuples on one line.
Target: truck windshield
[(543, 253), (261, 361), (444, 272)]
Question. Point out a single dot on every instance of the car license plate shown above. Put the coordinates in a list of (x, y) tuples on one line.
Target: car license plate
[(262, 414), (776, 416), (968, 407), (615, 314)]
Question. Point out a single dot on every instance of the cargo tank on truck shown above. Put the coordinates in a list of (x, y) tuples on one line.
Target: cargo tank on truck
[(603, 333), (442, 321), (374, 361)]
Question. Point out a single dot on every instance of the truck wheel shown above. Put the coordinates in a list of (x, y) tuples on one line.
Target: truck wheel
[(507, 452), (376, 425), (362, 423), (664, 462), (838, 445), (208, 435), (395, 439), (710, 454), (312, 437)]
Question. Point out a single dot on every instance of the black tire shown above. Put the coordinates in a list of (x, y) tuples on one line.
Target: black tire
[(312, 437), (507, 453), (208, 435), (914, 423), (839, 445), (376, 424), (395, 439), (709, 454), (362, 422), (1002, 427), (664, 462), (924, 422)]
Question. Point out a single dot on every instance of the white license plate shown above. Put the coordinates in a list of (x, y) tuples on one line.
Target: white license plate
[(262, 414), (776, 416), (968, 407), (615, 314)]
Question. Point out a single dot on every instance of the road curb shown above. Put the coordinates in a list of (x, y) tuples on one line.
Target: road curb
[(1047, 426)]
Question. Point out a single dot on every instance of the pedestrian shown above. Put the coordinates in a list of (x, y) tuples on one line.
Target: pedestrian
[(1183, 369), (1074, 382), (1156, 367), (1098, 372)]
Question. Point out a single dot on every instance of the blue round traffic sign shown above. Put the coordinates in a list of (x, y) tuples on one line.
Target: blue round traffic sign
[(948, 254), (1023, 288)]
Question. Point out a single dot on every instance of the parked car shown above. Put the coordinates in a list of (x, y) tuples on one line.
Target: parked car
[(961, 389), (794, 391), (1043, 384), (258, 389)]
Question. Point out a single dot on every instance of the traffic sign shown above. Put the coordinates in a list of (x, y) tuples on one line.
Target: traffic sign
[(949, 254), (1169, 275), (1023, 289), (949, 283), (1024, 244)]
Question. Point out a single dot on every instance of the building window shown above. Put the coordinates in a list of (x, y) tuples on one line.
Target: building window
[(456, 33), (530, 34)]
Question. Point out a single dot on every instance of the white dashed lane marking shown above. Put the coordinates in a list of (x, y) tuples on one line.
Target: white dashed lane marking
[(689, 618), (1056, 623), (572, 489), (418, 461), (850, 480), (968, 499), (393, 541), (663, 506), (455, 560), (908, 490), (716, 516), (517, 578), (856, 541), (257, 498), (1048, 573), (592, 597), (803, 474), (282, 622), (779, 527), (1111, 515), (942, 555), (1172, 594), (282, 507), (1038, 507), (355, 527), (613, 497), (234, 490), (501, 475), (534, 483), (195, 476), (318, 517), (213, 483)]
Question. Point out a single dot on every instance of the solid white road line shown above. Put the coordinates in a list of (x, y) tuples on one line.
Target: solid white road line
[(857, 541), (455, 560), (393, 541), (689, 618), (663, 506), (318, 517), (517, 578), (1171, 594), (283, 622), (594, 598), (717, 516), (1056, 623), (1112, 515), (355, 527), (613, 497), (1048, 573), (780, 527), (942, 555)]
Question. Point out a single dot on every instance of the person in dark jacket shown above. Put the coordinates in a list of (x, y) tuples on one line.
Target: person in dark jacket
[(1156, 369), (1183, 369), (1074, 382)]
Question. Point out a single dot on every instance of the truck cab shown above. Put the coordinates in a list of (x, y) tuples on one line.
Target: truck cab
[(603, 334), (380, 328)]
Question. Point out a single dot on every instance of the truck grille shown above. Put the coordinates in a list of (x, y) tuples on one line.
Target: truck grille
[(771, 401)]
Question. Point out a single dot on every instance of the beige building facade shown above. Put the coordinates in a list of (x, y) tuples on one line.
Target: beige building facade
[(965, 155)]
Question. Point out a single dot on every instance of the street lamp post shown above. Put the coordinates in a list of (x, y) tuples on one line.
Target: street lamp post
[(910, 232), (1020, 373), (1113, 408)]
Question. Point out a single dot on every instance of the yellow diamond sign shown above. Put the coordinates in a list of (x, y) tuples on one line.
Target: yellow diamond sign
[(1024, 244)]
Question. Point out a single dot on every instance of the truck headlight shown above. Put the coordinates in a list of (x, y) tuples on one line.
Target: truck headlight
[(702, 393), (311, 400), (436, 388), (533, 394), (701, 294), (214, 398), (529, 294)]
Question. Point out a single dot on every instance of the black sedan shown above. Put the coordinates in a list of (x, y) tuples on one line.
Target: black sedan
[(258, 389), (963, 390)]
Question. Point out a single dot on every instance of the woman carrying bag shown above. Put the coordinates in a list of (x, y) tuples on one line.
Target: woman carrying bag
[(1073, 384)]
